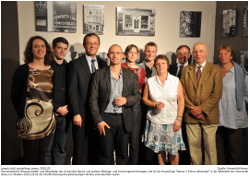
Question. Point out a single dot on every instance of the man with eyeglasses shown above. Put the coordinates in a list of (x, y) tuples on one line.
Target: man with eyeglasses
[(79, 78), (184, 58), (202, 84)]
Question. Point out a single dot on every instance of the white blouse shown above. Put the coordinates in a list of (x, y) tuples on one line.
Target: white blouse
[(167, 94)]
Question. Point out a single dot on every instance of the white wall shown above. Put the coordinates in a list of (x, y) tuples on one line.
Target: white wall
[(167, 24)]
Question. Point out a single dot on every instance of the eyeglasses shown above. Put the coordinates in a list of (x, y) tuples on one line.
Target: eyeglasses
[(182, 54), (92, 44), (200, 51), (133, 53)]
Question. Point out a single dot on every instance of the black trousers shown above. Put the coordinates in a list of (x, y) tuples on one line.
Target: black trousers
[(230, 146), (146, 155), (80, 140), (35, 150), (184, 158), (134, 136), (116, 139)]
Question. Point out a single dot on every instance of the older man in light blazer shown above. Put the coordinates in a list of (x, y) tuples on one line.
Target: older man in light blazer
[(202, 83)]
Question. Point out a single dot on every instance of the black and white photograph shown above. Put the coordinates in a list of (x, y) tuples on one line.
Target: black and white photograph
[(229, 23), (55, 16), (41, 20), (190, 24), (245, 21), (93, 19), (135, 22), (244, 59)]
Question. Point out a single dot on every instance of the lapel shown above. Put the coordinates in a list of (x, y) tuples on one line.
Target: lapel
[(100, 62), (85, 64), (191, 74), (125, 80), (107, 81), (205, 73), (175, 69)]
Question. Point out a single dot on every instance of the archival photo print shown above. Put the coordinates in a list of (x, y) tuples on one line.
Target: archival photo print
[(41, 20), (245, 21), (55, 16), (190, 24), (244, 59), (93, 19), (135, 22), (229, 23)]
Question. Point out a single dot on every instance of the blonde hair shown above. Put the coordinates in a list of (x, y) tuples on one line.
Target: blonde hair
[(228, 48), (151, 44)]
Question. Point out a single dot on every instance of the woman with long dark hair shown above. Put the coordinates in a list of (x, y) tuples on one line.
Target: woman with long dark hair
[(31, 95)]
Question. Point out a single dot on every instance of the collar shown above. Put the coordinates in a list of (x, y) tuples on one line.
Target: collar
[(203, 64), (231, 70), (55, 62), (170, 77), (89, 58), (120, 73), (184, 65)]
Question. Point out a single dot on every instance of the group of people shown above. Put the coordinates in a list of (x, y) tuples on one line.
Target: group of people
[(190, 112)]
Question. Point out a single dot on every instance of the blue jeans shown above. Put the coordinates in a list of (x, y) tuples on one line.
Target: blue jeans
[(56, 153)]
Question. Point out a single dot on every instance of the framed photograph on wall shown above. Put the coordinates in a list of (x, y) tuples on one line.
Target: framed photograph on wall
[(41, 16), (245, 21), (55, 16), (93, 19), (244, 59), (190, 23), (229, 23), (135, 22)]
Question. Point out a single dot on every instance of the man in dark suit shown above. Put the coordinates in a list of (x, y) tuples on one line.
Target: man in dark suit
[(114, 91), (184, 58), (79, 76)]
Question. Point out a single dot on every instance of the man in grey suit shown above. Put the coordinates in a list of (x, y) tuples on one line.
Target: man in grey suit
[(114, 91), (79, 77)]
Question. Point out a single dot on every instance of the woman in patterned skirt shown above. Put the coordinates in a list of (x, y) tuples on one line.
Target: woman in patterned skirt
[(163, 94), (31, 95)]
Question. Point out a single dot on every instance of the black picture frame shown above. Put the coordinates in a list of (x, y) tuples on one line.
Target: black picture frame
[(190, 23)]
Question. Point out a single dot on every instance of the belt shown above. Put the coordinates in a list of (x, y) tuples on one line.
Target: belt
[(115, 114)]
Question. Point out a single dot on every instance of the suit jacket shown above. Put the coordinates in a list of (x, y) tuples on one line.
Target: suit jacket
[(206, 94), (100, 95), (174, 67), (79, 77)]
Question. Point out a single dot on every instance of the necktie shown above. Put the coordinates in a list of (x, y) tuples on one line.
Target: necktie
[(180, 70), (198, 74), (93, 65)]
